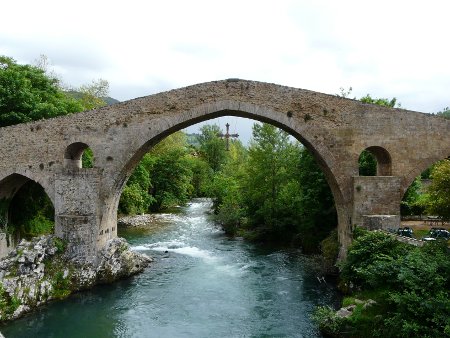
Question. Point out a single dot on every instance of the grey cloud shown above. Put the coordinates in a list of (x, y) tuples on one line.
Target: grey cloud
[(67, 53)]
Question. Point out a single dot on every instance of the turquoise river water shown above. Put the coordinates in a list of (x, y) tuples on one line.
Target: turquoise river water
[(202, 284)]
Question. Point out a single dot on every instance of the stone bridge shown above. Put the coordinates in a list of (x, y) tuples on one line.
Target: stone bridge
[(336, 130)]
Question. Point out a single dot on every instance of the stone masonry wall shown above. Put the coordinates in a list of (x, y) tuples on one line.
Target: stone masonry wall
[(375, 195)]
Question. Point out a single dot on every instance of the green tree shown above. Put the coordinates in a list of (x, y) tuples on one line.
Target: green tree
[(367, 164), (274, 191), (445, 113), (202, 175), (226, 187), (136, 198), (28, 94), (171, 180), (439, 190), (175, 141), (267, 171), (93, 95), (212, 147), (162, 179), (316, 207), (411, 202)]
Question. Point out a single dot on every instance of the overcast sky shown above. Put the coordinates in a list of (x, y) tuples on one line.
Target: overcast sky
[(386, 48)]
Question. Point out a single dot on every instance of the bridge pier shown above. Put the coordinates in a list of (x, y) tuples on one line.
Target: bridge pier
[(376, 202), (77, 212)]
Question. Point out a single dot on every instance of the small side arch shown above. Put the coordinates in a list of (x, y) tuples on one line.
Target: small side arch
[(23, 198), (382, 158), (73, 155)]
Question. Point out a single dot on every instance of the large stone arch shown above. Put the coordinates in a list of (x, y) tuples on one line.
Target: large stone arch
[(324, 157)]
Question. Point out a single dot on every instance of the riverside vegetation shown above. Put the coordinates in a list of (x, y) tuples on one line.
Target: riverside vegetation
[(393, 290), (271, 191)]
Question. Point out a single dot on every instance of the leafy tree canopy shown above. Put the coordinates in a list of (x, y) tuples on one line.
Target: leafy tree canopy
[(212, 147), (439, 190), (27, 94), (92, 95), (445, 113)]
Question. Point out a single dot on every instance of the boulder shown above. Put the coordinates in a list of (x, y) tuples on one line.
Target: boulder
[(38, 271)]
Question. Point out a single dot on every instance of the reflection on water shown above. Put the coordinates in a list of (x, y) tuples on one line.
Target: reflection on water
[(202, 284)]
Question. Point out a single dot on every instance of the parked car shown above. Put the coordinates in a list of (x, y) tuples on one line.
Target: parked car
[(406, 231), (437, 233)]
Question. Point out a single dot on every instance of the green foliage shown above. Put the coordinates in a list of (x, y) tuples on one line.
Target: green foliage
[(87, 159), (368, 263), (411, 286), (317, 215), (330, 247), (380, 101), (439, 190), (165, 177), (274, 192), (411, 203), (60, 244), (134, 200), (201, 175), (367, 164), (61, 285), (38, 225), (171, 180), (31, 211), (328, 322), (230, 209), (212, 147), (7, 304), (268, 174), (93, 95), (27, 94), (174, 142), (445, 113)]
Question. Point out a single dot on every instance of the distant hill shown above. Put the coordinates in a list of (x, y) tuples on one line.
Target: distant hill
[(109, 100)]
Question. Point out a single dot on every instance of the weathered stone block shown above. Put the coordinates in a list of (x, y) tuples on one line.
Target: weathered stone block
[(375, 195), (80, 233), (383, 222)]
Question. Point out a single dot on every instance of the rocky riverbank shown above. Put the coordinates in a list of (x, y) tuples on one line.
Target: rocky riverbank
[(136, 221), (37, 271), (147, 221)]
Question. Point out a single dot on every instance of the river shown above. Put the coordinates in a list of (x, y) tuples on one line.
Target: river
[(202, 284)]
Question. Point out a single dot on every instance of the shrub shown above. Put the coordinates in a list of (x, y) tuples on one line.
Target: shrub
[(38, 225), (330, 247), (409, 284)]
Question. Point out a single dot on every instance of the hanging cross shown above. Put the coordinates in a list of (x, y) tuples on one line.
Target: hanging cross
[(227, 136)]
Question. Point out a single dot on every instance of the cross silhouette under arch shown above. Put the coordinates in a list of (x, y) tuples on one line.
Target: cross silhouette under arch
[(227, 136)]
